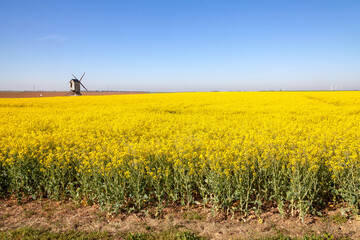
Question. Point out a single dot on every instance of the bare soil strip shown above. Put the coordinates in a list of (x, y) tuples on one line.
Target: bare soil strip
[(57, 94), (61, 216)]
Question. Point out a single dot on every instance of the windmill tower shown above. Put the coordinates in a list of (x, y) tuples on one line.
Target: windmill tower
[(75, 86)]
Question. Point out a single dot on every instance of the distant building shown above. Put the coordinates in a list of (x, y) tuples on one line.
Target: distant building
[(75, 86)]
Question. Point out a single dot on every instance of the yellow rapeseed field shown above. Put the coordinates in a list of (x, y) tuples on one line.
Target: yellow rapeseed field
[(237, 151)]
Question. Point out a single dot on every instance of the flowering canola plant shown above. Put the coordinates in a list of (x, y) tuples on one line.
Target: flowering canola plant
[(233, 150)]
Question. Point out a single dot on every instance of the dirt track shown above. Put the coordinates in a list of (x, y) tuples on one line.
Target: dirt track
[(57, 94), (65, 216)]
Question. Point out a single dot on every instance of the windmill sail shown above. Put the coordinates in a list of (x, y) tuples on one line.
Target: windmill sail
[(82, 77), (83, 86)]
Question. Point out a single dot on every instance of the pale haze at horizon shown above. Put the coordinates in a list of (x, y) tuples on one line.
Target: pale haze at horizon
[(180, 45)]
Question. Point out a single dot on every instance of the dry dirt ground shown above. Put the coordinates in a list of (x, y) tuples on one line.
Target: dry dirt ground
[(57, 94), (59, 216)]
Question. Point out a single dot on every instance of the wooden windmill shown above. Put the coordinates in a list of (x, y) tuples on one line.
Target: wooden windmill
[(75, 86)]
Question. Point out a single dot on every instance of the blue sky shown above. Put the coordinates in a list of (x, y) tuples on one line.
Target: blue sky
[(180, 45)]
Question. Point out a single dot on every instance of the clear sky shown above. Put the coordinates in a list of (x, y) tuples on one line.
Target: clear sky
[(180, 45)]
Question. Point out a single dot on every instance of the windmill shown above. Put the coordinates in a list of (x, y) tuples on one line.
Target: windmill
[(75, 86)]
